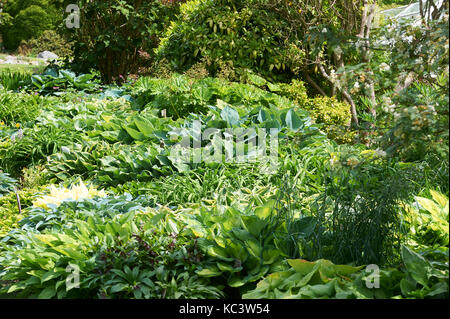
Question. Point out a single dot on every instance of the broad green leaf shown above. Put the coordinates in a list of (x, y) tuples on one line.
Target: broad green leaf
[(119, 287), (218, 252), (236, 282), (293, 121), (428, 204), (302, 266), (230, 115), (48, 239), (144, 126), (16, 287), (438, 288), (407, 285), (262, 115), (172, 226), (202, 93), (272, 124), (47, 293), (111, 136), (254, 224), (346, 270), (254, 248), (416, 265), (256, 79), (209, 272), (37, 273), (50, 275), (439, 198), (270, 255), (134, 134), (70, 252), (324, 290), (273, 87), (69, 75), (263, 212), (225, 267)]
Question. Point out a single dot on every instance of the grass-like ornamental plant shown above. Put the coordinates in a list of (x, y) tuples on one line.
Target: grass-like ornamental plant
[(359, 211)]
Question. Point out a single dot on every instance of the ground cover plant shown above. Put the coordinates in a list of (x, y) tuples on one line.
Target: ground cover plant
[(243, 173)]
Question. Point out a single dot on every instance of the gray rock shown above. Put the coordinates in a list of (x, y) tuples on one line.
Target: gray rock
[(47, 55), (10, 60)]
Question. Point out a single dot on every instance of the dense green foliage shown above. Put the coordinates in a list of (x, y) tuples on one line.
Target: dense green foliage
[(6, 184), (20, 108), (269, 37), (240, 34), (215, 243), (29, 19), (13, 80), (333, 114), (49, 40), (420, 112), (128, 29), (53, 80), (153, 187)]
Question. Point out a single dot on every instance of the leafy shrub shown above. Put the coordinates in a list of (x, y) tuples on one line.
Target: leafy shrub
[(295, 91), (412, 90), (178, 95), (49, 40), (238, 32), (333, 114), (108, 165), (128, 27), (421, 122), (29, 20), (240, 244), (266, 36), (115, 164)]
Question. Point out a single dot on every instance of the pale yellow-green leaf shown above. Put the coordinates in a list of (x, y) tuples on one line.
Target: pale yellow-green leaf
[(439, 198), (428, 205)]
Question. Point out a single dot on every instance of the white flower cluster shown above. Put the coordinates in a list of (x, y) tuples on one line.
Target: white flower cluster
[(384, 67), (388, 106), (333, 75), (355, 88)]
